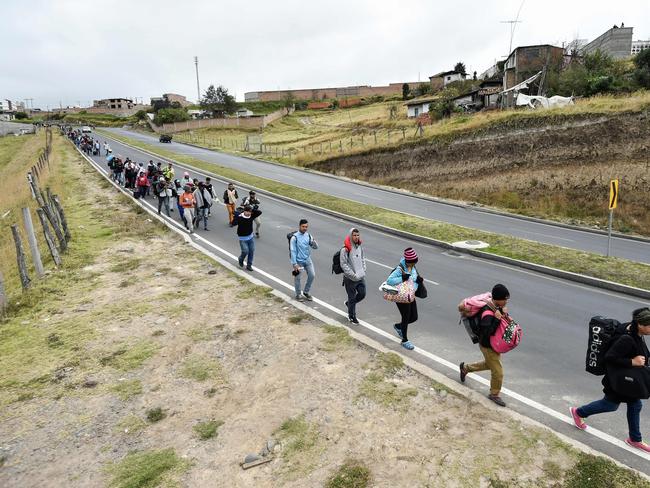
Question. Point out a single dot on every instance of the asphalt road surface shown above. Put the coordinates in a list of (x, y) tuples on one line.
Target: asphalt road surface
[(547, 368), (468, 217)]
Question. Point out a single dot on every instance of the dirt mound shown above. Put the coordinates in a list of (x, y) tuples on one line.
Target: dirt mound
[(547, 170)]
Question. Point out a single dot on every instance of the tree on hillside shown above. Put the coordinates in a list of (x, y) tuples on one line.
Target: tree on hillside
[(460, 68), (596, 73), (642, 71), (21, 115), (218, 101), (169, 115), (288, 100), (423, 89), (406, 91)]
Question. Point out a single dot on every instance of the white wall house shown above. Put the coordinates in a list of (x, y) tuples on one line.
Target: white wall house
[(417, 107)]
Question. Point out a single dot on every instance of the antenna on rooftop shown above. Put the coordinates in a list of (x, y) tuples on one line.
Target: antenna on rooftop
[(513, 25)]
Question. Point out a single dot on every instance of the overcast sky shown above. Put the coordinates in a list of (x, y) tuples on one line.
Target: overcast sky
[(70, 52)]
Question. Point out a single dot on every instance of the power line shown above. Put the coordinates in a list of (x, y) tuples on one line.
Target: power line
[(513, 25)]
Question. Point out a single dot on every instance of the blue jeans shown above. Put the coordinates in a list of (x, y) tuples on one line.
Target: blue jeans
[(606, 405), (202, 215), (247, 249), (311, 274)]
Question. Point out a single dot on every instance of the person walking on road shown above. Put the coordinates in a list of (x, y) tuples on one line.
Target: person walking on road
[(187, 202), (178, 190), (301, 244), (626, 357), (353, 264), (491, 359), (203, 201), (254, 202), (408, 311), (107, 149), (163, 197), (142, 185), (230, 197), (244, 223), (168, 172), (213, 195)]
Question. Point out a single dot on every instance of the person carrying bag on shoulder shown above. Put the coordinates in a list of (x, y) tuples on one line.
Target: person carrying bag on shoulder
[(402, 287), (626, 380)]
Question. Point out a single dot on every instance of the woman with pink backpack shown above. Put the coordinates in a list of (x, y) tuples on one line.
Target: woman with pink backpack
[(491, 315)]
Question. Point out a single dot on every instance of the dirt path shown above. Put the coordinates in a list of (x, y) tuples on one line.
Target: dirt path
[(150, 364)]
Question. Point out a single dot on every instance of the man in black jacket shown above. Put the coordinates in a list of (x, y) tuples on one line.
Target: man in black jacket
[(244, 223), (628, 352), (492, 359)]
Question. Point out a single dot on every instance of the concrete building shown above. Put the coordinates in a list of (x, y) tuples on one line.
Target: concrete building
[(525, 61), (441, 80), (328, 93), (174, 97), (638, 46), (114, 103), (617, 42), (6, 105)]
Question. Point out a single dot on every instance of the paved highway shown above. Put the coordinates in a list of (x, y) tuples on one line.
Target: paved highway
[(468, 217), (548, 367)]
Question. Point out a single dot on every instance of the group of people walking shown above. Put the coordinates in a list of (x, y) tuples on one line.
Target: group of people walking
[(194, 199)]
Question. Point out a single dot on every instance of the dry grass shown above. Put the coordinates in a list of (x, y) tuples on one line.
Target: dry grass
[(17, 155)]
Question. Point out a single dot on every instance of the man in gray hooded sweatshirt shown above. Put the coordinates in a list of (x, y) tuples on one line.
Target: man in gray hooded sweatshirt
[(353, 264)]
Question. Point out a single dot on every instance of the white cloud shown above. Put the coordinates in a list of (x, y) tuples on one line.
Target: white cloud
[(75, 51)]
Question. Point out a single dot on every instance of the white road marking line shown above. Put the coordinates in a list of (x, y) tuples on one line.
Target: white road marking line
[(521, 398), (393, 267)]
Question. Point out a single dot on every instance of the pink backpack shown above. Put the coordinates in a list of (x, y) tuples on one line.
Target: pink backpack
[(473, 305), (507, 336)]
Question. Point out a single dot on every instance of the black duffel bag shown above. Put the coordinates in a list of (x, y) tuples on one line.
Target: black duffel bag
[(630, 382)]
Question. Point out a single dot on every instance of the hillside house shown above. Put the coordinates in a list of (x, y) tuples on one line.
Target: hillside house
[(525, 61), (419, 106), (441, 80)]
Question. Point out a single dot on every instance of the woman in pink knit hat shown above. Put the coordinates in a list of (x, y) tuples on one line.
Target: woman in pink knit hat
[(408, 311)]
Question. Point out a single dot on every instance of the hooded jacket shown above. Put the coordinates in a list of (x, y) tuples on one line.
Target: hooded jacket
[(620, 355), (353, 259), (395, 278)]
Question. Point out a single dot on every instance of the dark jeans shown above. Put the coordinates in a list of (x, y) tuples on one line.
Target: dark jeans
[(163, 201), (409, 313), (607, 405), (356, 291)]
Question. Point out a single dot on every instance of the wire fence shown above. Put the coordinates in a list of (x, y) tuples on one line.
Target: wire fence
[(307, 148)]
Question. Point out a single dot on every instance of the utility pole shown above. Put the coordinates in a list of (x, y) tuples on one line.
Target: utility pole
[(513, 25), (198, 89)]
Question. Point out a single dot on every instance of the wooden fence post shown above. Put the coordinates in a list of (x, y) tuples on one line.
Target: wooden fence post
[(64, 223), (20, 258), (403, 133), (48, 237), (33, 244), (3, 296)]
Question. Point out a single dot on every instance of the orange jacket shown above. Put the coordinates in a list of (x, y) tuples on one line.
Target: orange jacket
[(187, 200)]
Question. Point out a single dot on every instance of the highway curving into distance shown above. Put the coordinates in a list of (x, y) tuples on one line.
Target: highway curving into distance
[(466, 216), (544, 375)]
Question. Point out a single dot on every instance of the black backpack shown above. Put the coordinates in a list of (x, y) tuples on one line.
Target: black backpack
[(472, 324), (603, 332), (293, 233), (336, 262)]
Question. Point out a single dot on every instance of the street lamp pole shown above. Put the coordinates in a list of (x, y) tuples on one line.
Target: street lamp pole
[(198, 89)]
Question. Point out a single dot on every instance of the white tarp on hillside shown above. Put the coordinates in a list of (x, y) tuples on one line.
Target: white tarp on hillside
[(542, 102)]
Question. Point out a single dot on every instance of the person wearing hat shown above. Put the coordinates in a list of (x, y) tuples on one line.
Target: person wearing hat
[(408, 311), (626, 353), (244, 223), (161, 192), (492, 359), (254, 202), (187, 202), (186, 179)]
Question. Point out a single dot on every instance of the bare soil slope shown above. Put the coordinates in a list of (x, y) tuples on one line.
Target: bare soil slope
[(527, 165)]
